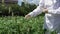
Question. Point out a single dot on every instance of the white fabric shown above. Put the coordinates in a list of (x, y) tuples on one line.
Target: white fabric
[(58, 33), (52, 19)]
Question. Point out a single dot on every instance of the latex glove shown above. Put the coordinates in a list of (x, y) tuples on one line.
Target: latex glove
[(45, 10), (27, 16)]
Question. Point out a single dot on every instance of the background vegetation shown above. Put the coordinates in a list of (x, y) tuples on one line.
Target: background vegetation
[(16, 9)]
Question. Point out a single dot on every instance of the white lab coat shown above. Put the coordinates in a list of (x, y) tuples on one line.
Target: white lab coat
[(52, 18)]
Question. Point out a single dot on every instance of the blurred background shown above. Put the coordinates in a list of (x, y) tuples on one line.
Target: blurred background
[(17, 7)]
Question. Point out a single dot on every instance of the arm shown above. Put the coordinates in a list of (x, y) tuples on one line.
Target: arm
[(35, 12), (38, 10)]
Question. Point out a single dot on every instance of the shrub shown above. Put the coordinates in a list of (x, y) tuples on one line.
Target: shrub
[(18, 25)]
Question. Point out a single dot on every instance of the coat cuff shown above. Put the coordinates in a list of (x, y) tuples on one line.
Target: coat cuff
[(51, 11)]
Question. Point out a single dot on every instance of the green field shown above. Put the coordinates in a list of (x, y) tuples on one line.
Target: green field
[(19, 25)]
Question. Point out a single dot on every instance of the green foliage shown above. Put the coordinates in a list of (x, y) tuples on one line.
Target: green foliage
[(3, 8), (19, 25)]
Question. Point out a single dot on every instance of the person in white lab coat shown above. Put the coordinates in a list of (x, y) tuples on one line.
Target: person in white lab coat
[(51, 8)]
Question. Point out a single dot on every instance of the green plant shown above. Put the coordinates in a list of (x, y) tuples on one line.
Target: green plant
[(18, 25)]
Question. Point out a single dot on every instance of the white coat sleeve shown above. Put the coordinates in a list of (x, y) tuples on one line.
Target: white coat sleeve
[(54, 11), (38, 10)]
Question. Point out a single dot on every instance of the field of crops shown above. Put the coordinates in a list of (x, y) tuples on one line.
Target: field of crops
[(19, 25)]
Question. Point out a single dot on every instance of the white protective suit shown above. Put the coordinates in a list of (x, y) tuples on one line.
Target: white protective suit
[(52, 18)]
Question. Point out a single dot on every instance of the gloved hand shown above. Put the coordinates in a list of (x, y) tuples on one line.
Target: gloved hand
[(27, 16), (45, 10)]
